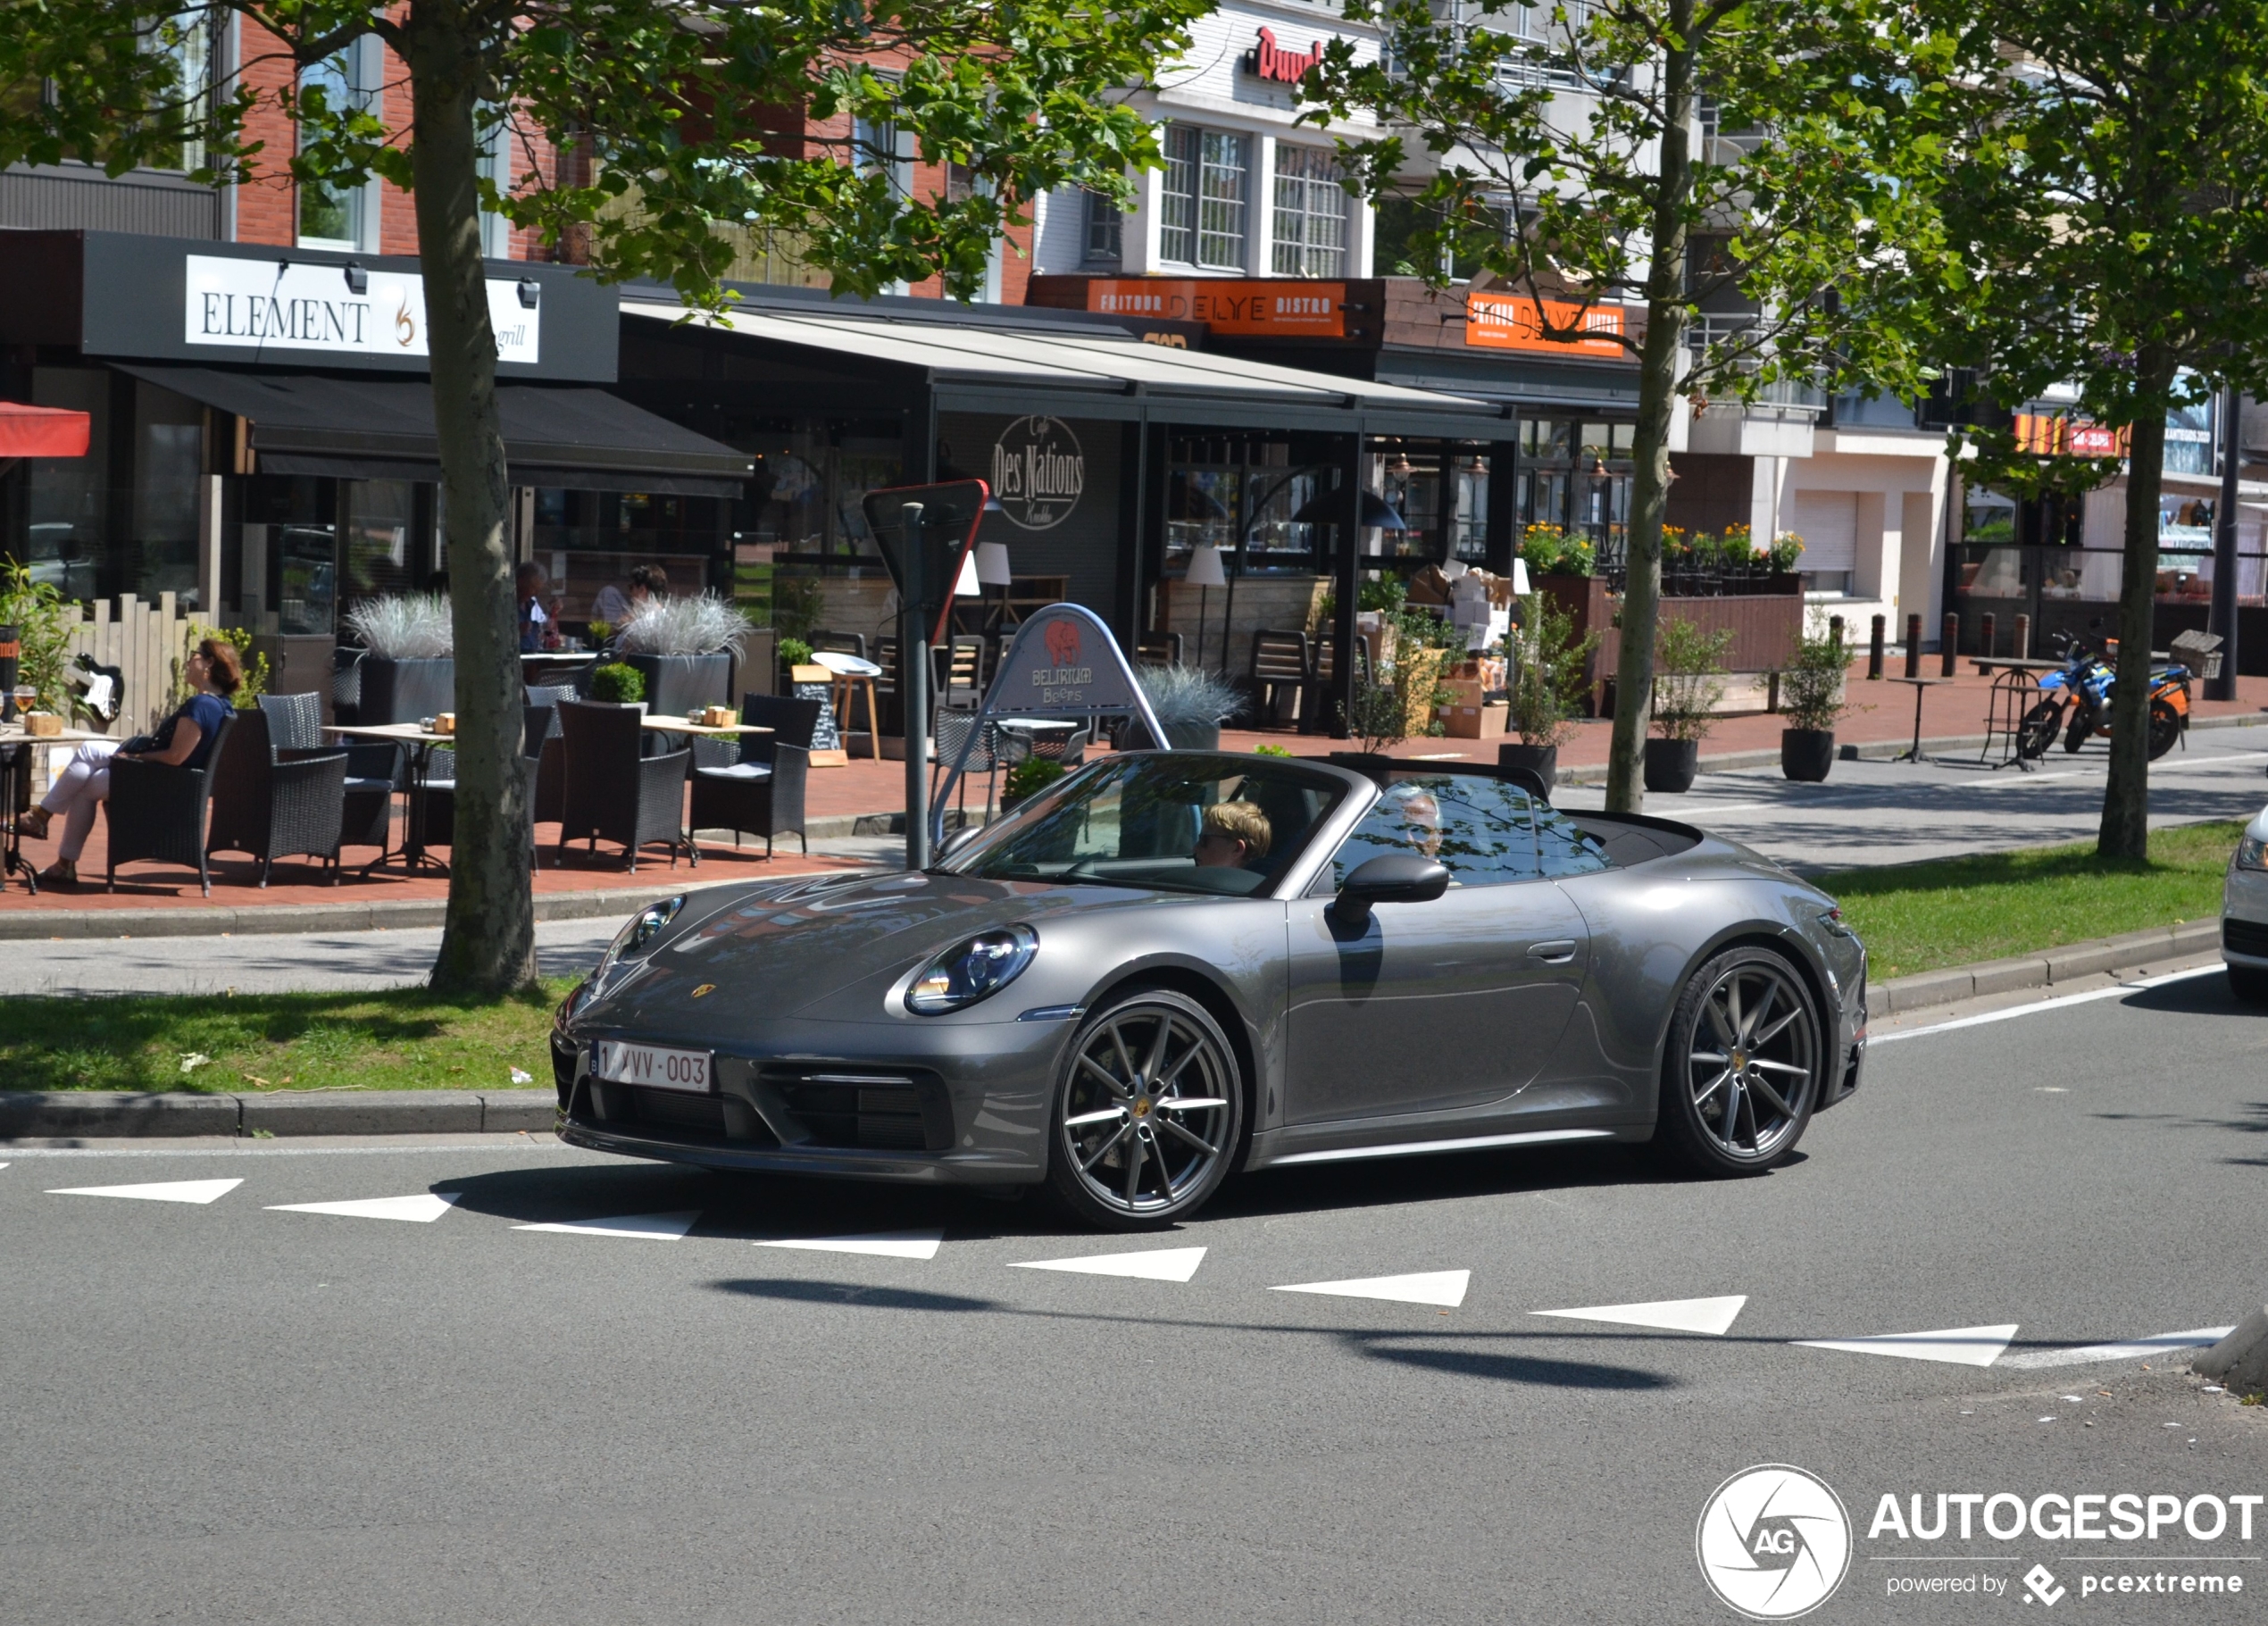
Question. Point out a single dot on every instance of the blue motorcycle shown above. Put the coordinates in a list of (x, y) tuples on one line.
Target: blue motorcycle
[(2076, 702)]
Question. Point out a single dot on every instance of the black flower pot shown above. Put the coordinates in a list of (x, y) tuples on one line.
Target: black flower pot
[(1671, 765), (1806, 754), (404, 691), (1542, 760), (676, 684), (1193, 736)]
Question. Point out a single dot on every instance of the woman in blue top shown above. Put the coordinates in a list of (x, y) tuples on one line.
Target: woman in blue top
[(184, 739)]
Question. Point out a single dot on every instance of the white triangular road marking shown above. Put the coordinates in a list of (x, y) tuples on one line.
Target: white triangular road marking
[(1961, 1346), (1425, 1288), (1712, 1316), (652, 1227), (159, 1191), (884, 1244), (423, 1209), (2165, 1343), (1155, 1264)]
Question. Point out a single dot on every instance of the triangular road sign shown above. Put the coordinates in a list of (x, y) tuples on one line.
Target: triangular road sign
[(423, 1208), (652, 1226), (158, 1191), (1960, 1346), (884, 1244)]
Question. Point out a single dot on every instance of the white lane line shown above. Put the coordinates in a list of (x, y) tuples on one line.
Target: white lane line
[(422, 1208), (159, 1191), (1154, 1264), (1961, 1346), (2046, 1005), (2085, 1355), (651, 1227), (1424, 1288), (1712, 1316), (882, 1244)]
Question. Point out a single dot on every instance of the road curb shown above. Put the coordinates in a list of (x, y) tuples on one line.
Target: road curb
[(112, 1114), (2131, 951)]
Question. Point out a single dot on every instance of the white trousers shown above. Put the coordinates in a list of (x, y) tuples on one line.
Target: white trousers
[(77, 790)]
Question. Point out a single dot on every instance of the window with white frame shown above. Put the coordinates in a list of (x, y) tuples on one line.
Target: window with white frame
[(331, 214), (194, 46), (1311, 213), (1202, 222)]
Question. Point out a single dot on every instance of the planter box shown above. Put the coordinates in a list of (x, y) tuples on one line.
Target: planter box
[(676, 684), (404, 691)]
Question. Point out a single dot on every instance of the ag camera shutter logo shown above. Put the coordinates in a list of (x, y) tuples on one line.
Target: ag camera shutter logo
[(1773, 1542)]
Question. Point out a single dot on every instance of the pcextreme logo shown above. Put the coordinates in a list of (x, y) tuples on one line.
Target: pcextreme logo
[(1773, 1542)]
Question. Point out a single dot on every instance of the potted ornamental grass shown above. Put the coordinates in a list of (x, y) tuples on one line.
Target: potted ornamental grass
[(1548, 680), (1190, 704), (408, 669), (684, 646), (1689, 684), (1811, 696)]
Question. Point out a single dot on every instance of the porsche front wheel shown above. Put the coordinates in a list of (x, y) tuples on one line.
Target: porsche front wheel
[(1744, 1066), (1146, 1113)]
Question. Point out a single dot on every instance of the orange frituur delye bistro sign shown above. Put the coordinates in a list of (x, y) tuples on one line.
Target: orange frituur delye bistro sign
[(1510, 321), (1266, 310)]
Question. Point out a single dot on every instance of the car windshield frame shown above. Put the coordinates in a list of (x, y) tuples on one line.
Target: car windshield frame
[(1156, 872)]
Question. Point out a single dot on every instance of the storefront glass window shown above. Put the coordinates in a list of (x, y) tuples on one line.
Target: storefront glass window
[(1576, 475), (1268, 496), (58, 507), (588, 541), (291, 551), (382, 532), (168, 458)]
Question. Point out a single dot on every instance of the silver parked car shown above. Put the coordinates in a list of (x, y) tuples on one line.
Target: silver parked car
[(1174, 965), (2244, 914)]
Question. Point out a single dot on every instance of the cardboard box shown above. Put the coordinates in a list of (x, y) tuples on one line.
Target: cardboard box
[(1462, 691), (1474, 722)]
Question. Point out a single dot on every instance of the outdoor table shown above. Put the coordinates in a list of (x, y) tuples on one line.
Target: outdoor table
[(15, 759), (1032, 727), (1921, 687), (421, 742), (722, 731), (1986, 665)]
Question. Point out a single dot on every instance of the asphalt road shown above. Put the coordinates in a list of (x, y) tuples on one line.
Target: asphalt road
[(219, 1411)]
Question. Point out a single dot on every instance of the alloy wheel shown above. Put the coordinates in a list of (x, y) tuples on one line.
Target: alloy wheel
[(1752, 1061), (1148, 1114)]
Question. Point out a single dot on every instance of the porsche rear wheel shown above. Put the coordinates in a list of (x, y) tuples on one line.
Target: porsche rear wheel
[(1742, 1073), (1146, 1114)]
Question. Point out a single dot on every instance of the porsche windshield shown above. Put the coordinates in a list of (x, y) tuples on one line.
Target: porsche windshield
[(1181, 821)]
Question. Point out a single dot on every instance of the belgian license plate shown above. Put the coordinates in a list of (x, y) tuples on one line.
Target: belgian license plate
[(651, 1066)]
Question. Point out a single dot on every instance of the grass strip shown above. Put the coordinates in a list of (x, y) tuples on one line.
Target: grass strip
[(400, 1038), (1920, 917)]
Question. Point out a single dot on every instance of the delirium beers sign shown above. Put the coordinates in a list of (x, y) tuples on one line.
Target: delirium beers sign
[(1037, 472), (266, 305)]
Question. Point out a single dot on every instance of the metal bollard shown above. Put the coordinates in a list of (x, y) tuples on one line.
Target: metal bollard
[(1835, 630), (1913, 645), (1949, 646), (1772, 693), (2023, 638), (1874, 649), (1985, 636)]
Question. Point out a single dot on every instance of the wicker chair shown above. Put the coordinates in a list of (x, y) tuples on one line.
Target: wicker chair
[(545, 748), (274, 801), (757, 789), (157, 811), (612, 792), (373, 767)]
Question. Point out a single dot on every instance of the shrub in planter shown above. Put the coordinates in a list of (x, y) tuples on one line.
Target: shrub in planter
[(1191, 705), (1811, 696), (409, 669), (1027, 779), (617, 683), (1547, 685), (685, 647), (1689, 683)]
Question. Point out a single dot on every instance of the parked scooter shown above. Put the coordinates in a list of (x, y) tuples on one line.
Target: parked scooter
[(2076, 702)]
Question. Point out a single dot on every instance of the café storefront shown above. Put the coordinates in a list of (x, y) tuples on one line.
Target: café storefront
[(263, 447)]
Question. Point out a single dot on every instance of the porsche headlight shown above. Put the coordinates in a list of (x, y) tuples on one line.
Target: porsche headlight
[(2252, 854), (968, 971), (638, 933)]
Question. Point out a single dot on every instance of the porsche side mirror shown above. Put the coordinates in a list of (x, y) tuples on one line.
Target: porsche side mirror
[(1390, 877)]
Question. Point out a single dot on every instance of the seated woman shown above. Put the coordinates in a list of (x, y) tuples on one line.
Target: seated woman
[(184, 739)]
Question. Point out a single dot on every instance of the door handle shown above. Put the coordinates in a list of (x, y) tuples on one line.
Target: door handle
[(1558, 951)]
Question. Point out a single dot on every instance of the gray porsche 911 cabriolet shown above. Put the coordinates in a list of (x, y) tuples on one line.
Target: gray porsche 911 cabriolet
[(1174, 966)]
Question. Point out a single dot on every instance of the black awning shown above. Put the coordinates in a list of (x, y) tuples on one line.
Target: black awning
[(382, 429)]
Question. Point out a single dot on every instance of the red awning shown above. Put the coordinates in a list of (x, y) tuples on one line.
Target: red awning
[(41, 432)]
